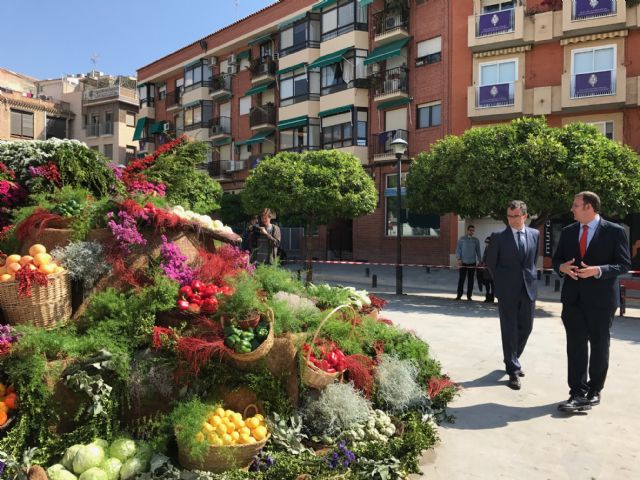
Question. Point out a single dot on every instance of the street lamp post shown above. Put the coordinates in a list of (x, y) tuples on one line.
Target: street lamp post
[(399, 148)]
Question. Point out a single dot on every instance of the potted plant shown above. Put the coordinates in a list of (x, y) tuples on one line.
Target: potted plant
[(245, 305)]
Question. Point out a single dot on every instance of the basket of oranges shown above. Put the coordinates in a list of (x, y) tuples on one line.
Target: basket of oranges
[(8, 406), (35, 290), (234, 439)]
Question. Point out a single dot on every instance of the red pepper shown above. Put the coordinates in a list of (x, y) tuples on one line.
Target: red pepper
[(324, 365), (331, 370), (332, 358), (186, 291), (183, 304), (196, 285), (195, 298)]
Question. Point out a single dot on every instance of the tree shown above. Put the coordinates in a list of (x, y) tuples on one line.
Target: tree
[(231, 210), (316, 186), (477, 173)]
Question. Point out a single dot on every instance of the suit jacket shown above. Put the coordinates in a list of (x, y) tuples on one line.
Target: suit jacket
[(508, 271), (608, 249)]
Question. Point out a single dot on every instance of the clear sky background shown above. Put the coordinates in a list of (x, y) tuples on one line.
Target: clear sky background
[(49, 38)]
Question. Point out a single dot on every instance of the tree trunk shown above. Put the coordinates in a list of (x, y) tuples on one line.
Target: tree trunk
[(308, 266)]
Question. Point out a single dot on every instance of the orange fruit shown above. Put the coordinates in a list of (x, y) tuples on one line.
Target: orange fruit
[(12, 268), (13, 259), (3, 389), (41, 259), (47, 268), (5, 277), (3, 407), (3, 270), (3, 418), (11, 401), (36, 249), (26, 260)]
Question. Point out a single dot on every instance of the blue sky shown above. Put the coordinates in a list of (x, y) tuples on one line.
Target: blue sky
[(49, 38)]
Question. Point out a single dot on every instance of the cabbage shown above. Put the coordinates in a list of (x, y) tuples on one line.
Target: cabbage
[(102, 443), (54, 468), (67, 459), (123, 449), (61, 474), (112, 467), (94, 473), (87, 457), (144, 453), (131, 468)]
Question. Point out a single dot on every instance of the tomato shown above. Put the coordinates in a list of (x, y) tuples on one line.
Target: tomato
[(183, 304), (209, 305), (211, 290)]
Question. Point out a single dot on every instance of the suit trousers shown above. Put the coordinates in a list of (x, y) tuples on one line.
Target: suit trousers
[(587, 327), (516, 323), (470, 274)]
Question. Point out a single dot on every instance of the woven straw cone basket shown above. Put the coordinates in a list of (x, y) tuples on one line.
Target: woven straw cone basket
[(262, 349), (47, 307), (222, 458), (311, 375)]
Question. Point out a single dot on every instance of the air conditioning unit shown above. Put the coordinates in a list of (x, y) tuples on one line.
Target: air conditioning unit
[(232, 58), (166, 127), (231, 68), (390, 22)]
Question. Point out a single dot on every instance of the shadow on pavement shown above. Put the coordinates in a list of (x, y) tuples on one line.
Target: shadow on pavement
[(494, 415), (626, 329), (489, 380)]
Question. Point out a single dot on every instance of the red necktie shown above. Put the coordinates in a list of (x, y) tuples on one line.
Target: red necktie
[(583, 240)]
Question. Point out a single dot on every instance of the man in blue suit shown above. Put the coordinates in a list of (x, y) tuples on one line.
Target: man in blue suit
[(591, 253), (511, 261)]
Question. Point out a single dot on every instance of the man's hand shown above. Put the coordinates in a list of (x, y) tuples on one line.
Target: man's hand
[(569, 269), (263, 230), (586, 271)]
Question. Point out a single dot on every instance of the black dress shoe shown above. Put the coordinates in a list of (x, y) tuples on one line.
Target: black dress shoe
[(575, 404), (594, 399), (459, 297), (514, 382), (520, 373)]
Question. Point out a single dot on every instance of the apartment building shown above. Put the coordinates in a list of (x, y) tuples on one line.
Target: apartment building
[(301, 75), (571, 60), (106, 108), (26, 115)]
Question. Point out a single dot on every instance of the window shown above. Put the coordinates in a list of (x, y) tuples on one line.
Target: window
[(497, 84), (198, 116), (130, 152), (593, 71), (302, 34), (499, 72), (498, 6), (21, 124), (338, 130), (429, 51), (130, 119), (413, 225), (162, 91), (266, 49), (347, 16), (146, 94), (306, 137), (344, 74), (108, 151), (295, 86), (195, 74), (606, 128), (56, 127), (429, 115), (245, 105)]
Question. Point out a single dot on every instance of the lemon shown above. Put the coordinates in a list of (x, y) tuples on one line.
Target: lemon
[(207, 427), (226, 439), (219, 411), (260, 433)]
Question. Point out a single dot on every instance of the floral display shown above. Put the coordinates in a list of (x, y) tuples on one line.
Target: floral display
[(7, 338), (124, 228), (173, 263)]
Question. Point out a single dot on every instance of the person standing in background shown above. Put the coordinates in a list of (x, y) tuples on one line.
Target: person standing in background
[(485, 275), (467, 254)]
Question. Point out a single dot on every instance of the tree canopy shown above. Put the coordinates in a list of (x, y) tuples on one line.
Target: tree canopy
[(477, 173), (318, 186)]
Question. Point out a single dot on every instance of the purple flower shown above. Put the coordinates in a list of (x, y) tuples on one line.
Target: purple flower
[(174, 263), (341, 457), (126, 232)]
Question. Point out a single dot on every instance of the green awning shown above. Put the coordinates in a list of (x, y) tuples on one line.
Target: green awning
[(393, 103), (263, 38), (364, 3), (323, 4), (223, 98), (257, 138), (386, 51), (335, 111), (293, 122), (290, 69), (328, 59), (291, 21), (191, 104), (137, 134), (221, 141), (157, 127), (244, 54), (258, 89)]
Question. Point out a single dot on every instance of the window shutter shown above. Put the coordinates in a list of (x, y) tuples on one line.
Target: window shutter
[(428, 47)]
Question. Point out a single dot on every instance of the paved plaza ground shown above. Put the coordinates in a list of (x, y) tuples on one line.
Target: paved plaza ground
[(498, 432)]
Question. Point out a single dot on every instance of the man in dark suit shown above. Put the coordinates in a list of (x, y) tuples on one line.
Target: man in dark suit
[(511, 261), (591, 253)]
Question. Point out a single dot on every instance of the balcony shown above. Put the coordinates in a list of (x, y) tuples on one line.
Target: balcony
[(118, 93), (263, 117), (220, 87), (233, 165), (254, 160), (219, 127), (381, 147), (604, 89), (174, 101), (147, 108), (93, 129), (106, 128), (392, 84), (196, 92), (588, 16), (502, 100), (263, 70), (390, 25), (500, 29)]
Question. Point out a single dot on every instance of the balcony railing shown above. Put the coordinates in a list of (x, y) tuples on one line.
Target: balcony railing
[(266, 114), (594, 84), (220, 126), (213, 168), (220, 82), (296, 47), (394, 80), (390, 20), (233, 165), (93, 129), (174, 99), (107, 128), (381, 142), (498, 95), (584, 9), (261, 67), (201, 84), (495, 23)]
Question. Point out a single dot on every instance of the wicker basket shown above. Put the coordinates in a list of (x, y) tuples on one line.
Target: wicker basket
[(49, 237), (264, 347), (311, 375), (47, 307), (222, 458)]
